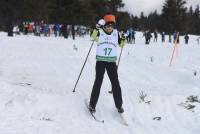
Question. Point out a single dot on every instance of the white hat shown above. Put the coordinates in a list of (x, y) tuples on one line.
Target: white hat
[(101, 22)]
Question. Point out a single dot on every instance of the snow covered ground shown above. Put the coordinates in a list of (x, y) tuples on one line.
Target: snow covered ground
[(38, 74)]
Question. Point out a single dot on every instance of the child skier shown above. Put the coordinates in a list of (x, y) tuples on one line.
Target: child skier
[(106, 56)]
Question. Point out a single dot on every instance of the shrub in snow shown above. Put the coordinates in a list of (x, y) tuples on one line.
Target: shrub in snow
[(142, 97)]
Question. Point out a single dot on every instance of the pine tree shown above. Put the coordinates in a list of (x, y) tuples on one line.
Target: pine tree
[(190, 21), (174, 15), (143, 22), (10, 11), (196, 25), (153, 21)]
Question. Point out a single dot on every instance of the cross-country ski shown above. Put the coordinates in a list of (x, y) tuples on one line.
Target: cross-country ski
[(91, 113)]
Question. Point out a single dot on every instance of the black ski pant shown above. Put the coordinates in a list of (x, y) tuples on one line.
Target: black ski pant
[(111, 69)]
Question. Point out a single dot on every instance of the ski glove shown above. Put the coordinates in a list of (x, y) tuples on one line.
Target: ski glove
[(94, 35), (123, 42)]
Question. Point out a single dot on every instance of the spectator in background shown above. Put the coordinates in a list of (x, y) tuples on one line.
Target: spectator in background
[(73, 32), (163, 36), (37, 29), (16, 30), (56, 30), (198, 40), (30, 28), (133, 36), (46, 30), (155, 36), (170, 38), (25, 28), (148, 37), (128, 33), (186, 38), (174, 36), (64, 31)]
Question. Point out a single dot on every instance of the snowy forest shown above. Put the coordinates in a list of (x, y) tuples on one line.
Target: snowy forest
[(174, 15)]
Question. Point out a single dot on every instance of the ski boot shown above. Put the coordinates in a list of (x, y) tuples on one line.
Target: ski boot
[(120, 110), (91, 109)]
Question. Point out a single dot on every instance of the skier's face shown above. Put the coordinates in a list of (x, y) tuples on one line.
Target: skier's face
[(109, 28)]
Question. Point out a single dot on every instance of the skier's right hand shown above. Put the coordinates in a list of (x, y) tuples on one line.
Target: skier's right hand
[(94, 35)]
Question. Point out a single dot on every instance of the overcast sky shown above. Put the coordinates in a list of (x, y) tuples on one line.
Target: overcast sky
[(136, 6)]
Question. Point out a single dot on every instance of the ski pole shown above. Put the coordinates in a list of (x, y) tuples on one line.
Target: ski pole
[(83, 66), (119, 57), (118, 64)]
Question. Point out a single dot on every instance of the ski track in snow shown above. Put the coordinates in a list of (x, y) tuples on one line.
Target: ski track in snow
[(37, 76)]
